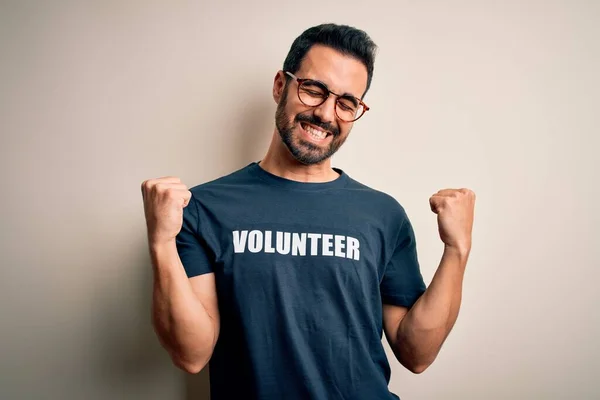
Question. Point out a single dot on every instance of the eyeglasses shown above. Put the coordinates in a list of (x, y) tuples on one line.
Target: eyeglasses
[(313, 93)]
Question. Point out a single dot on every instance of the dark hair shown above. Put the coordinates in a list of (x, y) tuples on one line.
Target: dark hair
[(343, 38)]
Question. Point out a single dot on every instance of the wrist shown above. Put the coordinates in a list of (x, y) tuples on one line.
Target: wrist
[(158, 247), (163, 256), (459, 251)]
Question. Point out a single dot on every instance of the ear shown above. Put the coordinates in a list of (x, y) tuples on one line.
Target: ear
[(278, 85)]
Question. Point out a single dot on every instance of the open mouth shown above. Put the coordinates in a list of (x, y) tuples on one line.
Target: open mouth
[(314, 133)]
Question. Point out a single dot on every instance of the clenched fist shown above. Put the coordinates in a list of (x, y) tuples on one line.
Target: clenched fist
[(164, 200), (455, 209)]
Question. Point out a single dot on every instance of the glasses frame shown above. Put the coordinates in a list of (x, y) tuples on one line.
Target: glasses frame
[(329, 93)]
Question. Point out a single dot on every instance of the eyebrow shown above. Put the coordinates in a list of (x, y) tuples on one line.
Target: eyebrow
[(351, 98)]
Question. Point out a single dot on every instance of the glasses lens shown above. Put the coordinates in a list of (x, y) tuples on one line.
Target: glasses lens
[(312, 93), (349, 109)]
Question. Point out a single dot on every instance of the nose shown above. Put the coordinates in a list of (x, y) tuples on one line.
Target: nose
[(326, 111)]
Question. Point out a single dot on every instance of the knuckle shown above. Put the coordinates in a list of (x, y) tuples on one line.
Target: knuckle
[(161, 188)]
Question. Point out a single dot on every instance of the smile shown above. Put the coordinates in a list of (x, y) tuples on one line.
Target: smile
[(314, 133)]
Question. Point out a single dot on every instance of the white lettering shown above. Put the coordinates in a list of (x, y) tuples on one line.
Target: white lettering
[(283, 242), (239, 241), (327, 244), (268, 243), (255, 241), (339, 246), (353, 251), (296, 244), (299, 244), (314, 243)]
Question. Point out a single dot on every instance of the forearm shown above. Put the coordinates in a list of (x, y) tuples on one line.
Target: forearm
[(182, 324), (427, 324)]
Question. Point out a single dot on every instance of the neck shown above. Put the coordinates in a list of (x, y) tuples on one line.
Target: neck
[(279, 161)]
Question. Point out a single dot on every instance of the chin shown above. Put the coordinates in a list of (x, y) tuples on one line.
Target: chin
[(308, 157)]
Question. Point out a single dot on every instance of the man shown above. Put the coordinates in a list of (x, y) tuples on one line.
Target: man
[(285, 273)]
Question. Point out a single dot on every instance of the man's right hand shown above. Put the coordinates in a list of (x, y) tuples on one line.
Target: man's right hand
[(164, 201)]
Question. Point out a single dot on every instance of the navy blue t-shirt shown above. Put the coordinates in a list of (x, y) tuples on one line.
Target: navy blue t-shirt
[(302, 270)]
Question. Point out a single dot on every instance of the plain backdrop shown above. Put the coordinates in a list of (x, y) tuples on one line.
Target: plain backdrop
[(97, 96)]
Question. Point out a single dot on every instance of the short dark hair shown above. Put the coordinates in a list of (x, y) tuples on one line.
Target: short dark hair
[(343, 38)]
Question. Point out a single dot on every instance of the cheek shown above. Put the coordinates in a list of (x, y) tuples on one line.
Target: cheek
[(345, 130), (287, 114), (290, 111)]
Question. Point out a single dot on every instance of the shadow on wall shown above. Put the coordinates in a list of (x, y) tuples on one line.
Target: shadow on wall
[(131, 352), (198, 386), (128, 351), (255, 128)]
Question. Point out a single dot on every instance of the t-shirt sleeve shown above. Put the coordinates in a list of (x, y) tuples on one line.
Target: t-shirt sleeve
[(402, 282), (194, 251)]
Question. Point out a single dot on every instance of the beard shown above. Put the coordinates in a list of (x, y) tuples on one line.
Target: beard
[(304, 151)]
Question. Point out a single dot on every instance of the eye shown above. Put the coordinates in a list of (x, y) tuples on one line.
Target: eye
[(347, 104), (313, 92), (345, 107), (313, 88)]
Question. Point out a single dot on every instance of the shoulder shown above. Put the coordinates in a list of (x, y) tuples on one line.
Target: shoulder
[(217, 186), (377, 199)]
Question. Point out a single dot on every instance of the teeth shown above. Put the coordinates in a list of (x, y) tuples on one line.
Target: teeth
[(318, 134)]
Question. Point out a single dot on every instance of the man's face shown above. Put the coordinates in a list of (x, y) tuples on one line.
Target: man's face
[(296, 122)]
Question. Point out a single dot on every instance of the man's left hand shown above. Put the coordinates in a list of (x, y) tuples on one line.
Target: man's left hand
[(455, 209)]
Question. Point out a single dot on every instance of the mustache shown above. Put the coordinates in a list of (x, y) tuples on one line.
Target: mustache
[(316, 121)]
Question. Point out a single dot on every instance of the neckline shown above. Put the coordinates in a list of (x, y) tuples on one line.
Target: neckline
[(256, 170)]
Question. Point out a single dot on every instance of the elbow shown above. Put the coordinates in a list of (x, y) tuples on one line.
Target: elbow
[(191, 367), (420, 365), (414, 365), (188, 360), (192, 363), (418, 368)]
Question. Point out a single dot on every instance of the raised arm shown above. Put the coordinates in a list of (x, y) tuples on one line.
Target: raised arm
[(416, 335), (185, 311)]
